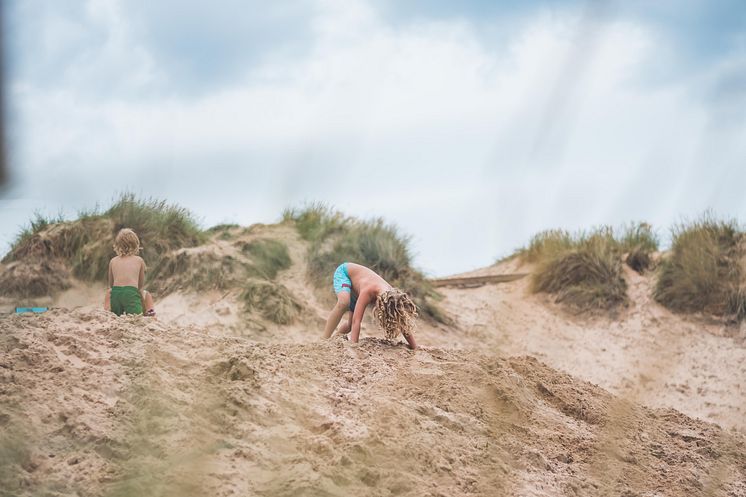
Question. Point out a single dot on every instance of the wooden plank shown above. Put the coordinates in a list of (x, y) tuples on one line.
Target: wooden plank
[(477, 280)]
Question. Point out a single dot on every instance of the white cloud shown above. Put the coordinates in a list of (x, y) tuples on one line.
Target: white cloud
[(469, 147)]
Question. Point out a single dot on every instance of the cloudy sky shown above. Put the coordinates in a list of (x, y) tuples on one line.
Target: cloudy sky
[(471, 125)]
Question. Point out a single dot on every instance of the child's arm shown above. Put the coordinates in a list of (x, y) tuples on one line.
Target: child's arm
[(141, 278), (111, 275), (357, 316)]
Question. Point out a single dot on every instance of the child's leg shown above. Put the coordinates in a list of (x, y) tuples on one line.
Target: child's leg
[(342, 306), (107, 300), (147, 303), (346, 327)]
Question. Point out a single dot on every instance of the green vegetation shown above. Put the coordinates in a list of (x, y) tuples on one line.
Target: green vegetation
[(638, 236), (704, 271), (272, 300), (197, 271), (86, 244), (268, 256), (223, 231), (547, 245), (50, 251), (587, 276), (160, 226), (584, 270), (316, 222), (36, 225), (335, 239), (637, 240)]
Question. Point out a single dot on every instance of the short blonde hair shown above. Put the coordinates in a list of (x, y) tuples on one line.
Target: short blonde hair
[(126, 242), (396, 313)]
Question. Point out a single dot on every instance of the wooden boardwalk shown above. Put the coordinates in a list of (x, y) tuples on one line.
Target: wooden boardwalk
[(473, 281)]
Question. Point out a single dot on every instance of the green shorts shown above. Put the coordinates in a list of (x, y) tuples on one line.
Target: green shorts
[(125, 300)]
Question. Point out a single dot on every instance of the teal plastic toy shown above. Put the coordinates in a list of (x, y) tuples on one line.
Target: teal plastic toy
[(35, 310)]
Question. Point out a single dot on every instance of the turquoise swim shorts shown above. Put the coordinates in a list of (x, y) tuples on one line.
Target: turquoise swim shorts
[(343, 283)]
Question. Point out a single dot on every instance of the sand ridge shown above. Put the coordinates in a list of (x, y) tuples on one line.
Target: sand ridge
[(131, 406), (645, 353)]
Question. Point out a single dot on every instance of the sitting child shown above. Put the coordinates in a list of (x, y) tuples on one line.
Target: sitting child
[(126, 278), (357, 287)]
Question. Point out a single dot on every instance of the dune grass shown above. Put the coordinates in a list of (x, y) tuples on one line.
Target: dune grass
[(197, 271), (37, 224), (704, 271), (584, 270), (335, 239), (268, 256), (260, 294), (635, 241), (586, 277), (316, 221), (86, 243), (223, 231), (638, 241), (547, 244), (159, 225)]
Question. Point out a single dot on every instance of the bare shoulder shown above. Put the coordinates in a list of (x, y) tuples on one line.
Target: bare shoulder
[(359, 268)]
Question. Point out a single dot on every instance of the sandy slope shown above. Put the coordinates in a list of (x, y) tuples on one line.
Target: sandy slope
[(206, 400), (646, 353), (98, 405)]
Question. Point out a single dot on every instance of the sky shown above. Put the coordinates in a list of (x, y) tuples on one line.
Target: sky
[(470, 125)]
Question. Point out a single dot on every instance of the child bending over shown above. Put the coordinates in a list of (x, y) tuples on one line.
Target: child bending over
[(126, 278), (358, 287)]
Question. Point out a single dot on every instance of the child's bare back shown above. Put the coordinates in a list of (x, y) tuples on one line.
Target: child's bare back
[(365, 280), (127, 277), (127, 270)]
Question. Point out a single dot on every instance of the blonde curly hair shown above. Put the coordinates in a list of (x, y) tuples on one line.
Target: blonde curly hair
[(396, 313), (126, 242)]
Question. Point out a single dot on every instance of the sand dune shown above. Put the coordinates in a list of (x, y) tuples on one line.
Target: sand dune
[(104, 405), (517, 397), (645, 354)]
